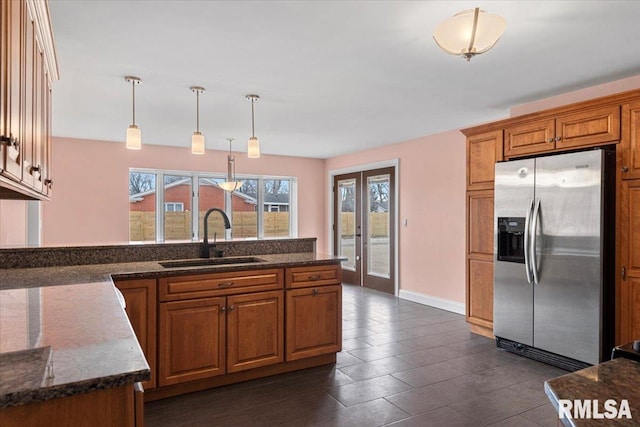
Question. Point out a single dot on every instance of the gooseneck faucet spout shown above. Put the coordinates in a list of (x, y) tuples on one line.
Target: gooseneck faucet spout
[(204, 247)]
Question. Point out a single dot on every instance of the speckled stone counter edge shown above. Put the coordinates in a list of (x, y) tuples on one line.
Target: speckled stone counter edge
[(111, 254), (64, 390)]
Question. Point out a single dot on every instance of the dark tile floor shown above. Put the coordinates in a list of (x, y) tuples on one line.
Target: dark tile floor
[(402, 364)]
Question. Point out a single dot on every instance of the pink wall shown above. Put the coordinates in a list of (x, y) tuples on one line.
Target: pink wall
[(13, 222), (432, 200), (90, 204)]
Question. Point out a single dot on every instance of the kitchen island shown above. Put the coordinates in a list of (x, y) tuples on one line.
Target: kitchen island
[(62, 350), (614, 381), (197, 326)]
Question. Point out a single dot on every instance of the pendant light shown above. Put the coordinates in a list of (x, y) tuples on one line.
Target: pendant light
[(469, 33), (197, 139), (231, 184), (134, 136), (253, 148)]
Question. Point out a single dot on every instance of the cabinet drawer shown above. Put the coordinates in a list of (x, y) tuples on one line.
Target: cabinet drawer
[(219, 284), (319, 275), (593, 127)]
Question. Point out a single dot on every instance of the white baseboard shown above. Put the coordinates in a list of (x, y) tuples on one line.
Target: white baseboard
[(440, 303)]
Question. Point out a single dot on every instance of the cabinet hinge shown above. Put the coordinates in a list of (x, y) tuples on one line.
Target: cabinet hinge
[(623, 273)]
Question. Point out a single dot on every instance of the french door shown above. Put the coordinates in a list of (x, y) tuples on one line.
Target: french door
[(364, 218)]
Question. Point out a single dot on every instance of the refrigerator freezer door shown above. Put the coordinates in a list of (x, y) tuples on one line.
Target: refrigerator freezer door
[(513, 294), (567, 308)]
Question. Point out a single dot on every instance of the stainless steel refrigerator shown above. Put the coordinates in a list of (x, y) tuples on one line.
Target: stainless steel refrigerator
[(554, 254)]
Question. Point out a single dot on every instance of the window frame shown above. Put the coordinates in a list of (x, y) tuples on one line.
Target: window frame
[(228, 206)]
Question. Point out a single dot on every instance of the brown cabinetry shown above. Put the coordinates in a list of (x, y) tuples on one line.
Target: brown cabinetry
[(630, 167), (610, 120), (592, 127), (483, 151), (314, 321), (214, 324), (630, 261), (28, 65), (140, 299)]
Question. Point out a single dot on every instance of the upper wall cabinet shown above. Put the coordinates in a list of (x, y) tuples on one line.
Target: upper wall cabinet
[(581, 129), (483, 151), (630, 167), (27, 68)]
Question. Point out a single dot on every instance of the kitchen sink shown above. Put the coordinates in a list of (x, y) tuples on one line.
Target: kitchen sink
[(203, 262)]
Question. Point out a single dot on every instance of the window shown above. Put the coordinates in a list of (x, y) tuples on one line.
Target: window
[(178, 210), (173, 207)]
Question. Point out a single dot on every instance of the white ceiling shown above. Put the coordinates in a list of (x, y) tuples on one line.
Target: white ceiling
[(334, 76)]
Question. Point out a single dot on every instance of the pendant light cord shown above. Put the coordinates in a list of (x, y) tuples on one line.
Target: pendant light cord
[(197, 111), (253, 130), (133, 89)]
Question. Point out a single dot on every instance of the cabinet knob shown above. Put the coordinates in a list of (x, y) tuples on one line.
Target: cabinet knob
[(316, 277), (35, 168), (48, 182), (558, 138), (231, 308), (625, 169), (10, 141), (223, 308), (550, 140), (315, 292)]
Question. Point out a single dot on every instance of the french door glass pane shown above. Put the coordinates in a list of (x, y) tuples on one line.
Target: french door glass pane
[(211, 196), (276, 208), (378, 225), (177, 207), (245, 215), (347, 222), (142, 206)]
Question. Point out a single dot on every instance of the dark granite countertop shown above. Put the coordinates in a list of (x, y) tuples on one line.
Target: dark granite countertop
[(617, 379), (63, 340), (13, 278)]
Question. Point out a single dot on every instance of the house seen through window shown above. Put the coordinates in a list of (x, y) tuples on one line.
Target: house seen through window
[(261, 207)]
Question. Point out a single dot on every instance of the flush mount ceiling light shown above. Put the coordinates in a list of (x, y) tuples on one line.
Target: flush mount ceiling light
[(469, 33), (253, 148), (231, 184), (134, 136), (197, 139)]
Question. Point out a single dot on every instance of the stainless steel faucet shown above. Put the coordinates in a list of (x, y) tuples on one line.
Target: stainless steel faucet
[(204, 247)]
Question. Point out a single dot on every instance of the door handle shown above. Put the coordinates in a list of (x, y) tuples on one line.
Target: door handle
[(534, 227), (527, 236)]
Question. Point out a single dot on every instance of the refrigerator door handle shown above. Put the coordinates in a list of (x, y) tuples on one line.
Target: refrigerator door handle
[(532, 255), (527, 264)]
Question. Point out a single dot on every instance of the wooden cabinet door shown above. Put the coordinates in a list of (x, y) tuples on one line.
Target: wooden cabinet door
[(314, 321), (255, 330), (140, 298), (588, 128), (191, 340), (14, 31), (483, 151), (630, 261), (530, 138), (631, 141), (479, 269)]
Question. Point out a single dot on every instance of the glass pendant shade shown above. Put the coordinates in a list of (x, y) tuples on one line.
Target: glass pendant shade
[(253, 151), (134, 138), (230, 185), (197, 143), (469, 33)]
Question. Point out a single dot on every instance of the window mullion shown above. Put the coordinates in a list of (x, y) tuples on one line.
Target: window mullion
[(160, 207), (195, 207), (260, 208)]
